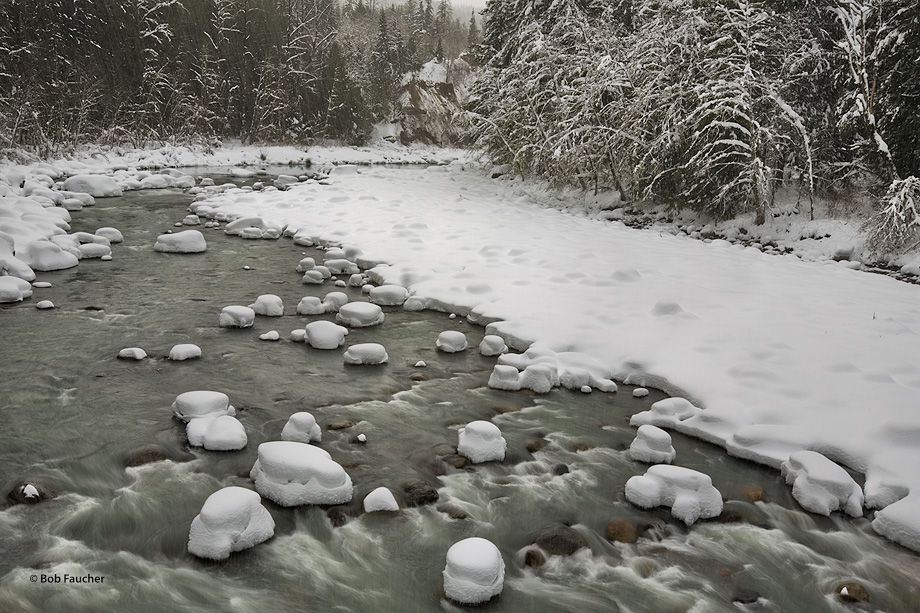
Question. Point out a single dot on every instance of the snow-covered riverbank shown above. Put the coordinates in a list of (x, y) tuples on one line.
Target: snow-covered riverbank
[(781, 354)]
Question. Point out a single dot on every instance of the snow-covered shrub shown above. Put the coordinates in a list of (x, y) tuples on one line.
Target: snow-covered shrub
[(897, 226)]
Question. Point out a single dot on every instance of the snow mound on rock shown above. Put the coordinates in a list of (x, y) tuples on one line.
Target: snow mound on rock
[(543, 369), (14, 289), (187, 241), (689, 493), (360, 314), (310, 305), (482, 441), (325, 335), (821, 486), (451, 341), (381, 499), (185, 351), (302, 428), (366, 353), (306, 264), (236, 317), (333, 301), (231, 519), (652, 445), (224, 433), (97, 186), (292, 473), (666, 413), (388, 295), (202, 403), (475, 571), (132, 353), (898, 522), (254, 227), (44, 256), (492, 344), (269, 305), (341, 266)]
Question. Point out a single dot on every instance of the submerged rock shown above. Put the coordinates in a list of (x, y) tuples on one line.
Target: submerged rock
[(560, 540), (419, 493)]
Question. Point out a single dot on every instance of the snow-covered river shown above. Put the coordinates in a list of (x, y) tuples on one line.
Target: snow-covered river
[(73, 415)]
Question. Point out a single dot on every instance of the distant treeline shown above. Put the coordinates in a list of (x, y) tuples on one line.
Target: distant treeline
[(118, 71), (710, 104)]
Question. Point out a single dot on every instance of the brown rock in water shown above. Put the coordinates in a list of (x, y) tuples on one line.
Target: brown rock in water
[(560, 540), (30, 492), (852, 591), (730, 516), (752, 492), (338, 516), (622, 530), (581, 447), (452, 512), (535, 444), (341, 424), (534, 558), (147, 455), (560, 469), (419, 493), (418, 377), (457, 461)]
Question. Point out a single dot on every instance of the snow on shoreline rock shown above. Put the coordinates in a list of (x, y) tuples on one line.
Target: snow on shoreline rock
[(187, 241), (821, 486), (474, 571), (292, 473), (689, 493), (231, 519)]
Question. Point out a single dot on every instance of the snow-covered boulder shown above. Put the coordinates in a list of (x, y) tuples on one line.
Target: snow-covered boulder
[(9, 263), (334, 301), (343, 170), (191, 220), (14, 289), (360, 314), (325, 335), (652, 445), (482, 441), (356, 280), (388, 295), (381, 499), (43, 305), (310, 305), (44, 255), (271, 335), (302, 427), (298, 336), (187, 241), (689, 493), (306, 264), (666, 413), (132, 353), (505, 377), (254, 227), (269, 305), (202, 403), (184, 351), (475, 571), (366, 353), (236, 317), (97, 186), (292, 473), (224, 433), (231, 519), (90, 251), (821, 486), (312, 277), (113, 235), (492, 344), (341, 266), (451, 341)]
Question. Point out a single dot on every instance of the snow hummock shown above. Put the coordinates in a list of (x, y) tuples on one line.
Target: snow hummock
[(325, 335), (236, 316), (269, 305), (652, 445), (202, 403), (231, 519), (97, 186), (475, 571), (302, 427), (689, 493), (223, 433), (14, 289), (360, 314), (292, 473), (381, 499), (271, 335), (185, 351), (44, 256), (366, 353), (821, 486), (187, 241), (132, 353), (310, 305), (492, 344), (334, 301), (388, 295), (481, 441), (451, 341), (42, 305)]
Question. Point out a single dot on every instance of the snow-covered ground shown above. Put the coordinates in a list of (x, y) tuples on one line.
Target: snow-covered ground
[(782, 354)]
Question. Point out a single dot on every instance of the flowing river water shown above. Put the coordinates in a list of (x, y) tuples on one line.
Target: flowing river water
[(72, 414)]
